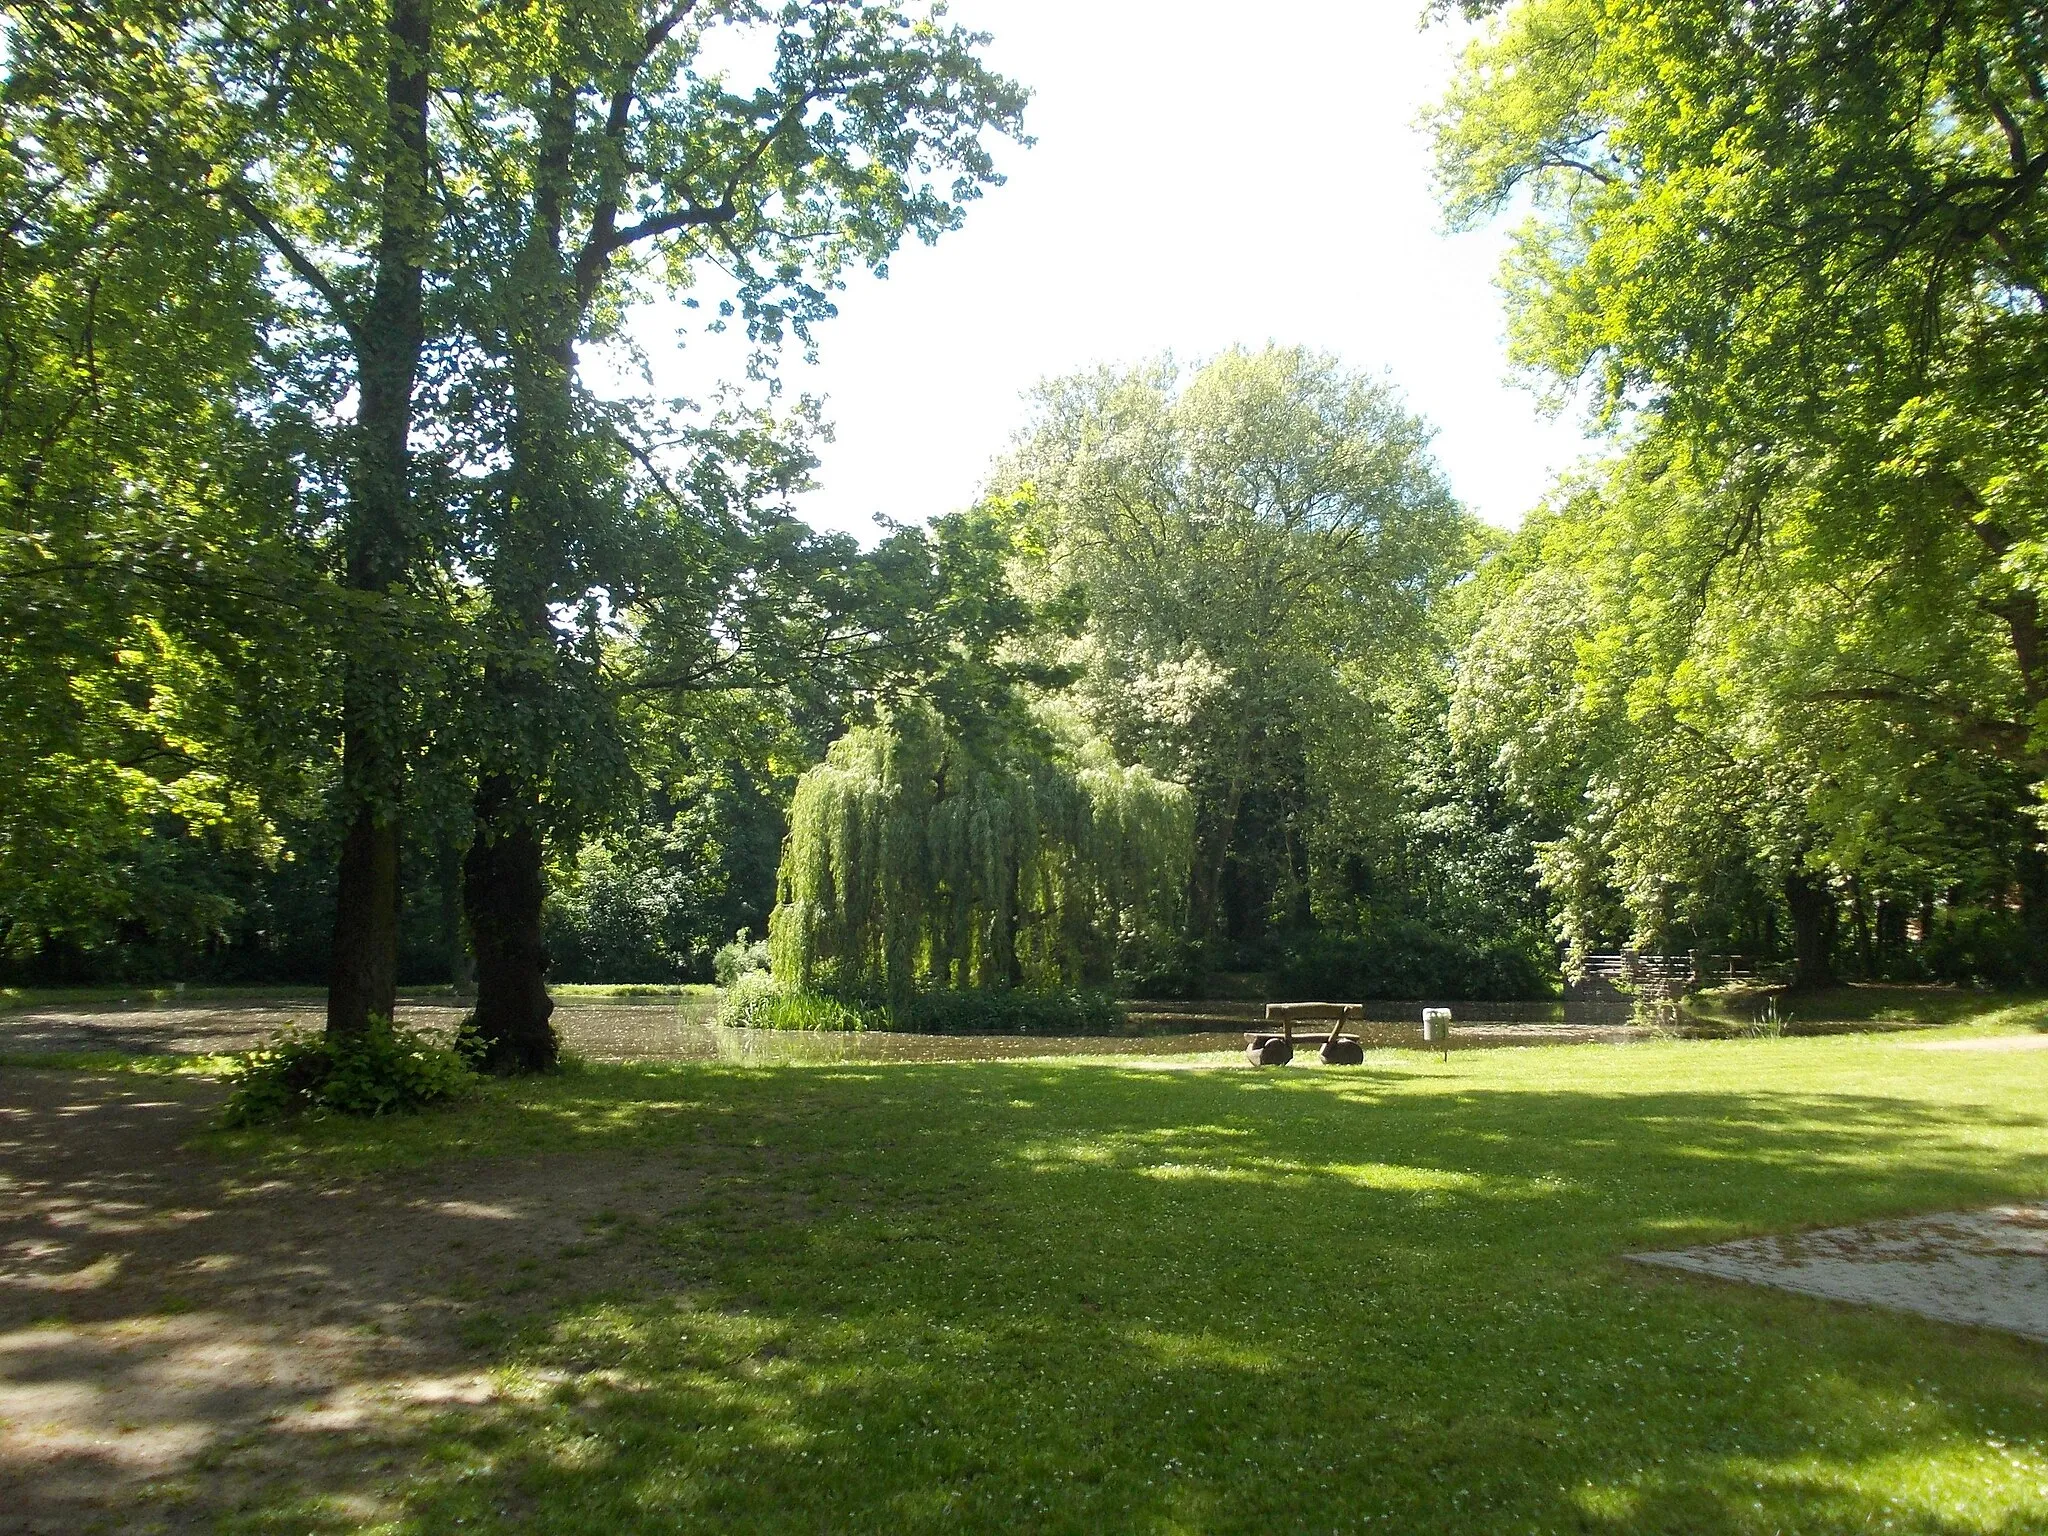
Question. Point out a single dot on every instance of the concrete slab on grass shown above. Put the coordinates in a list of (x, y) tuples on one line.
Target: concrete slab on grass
[(1988, 1268)]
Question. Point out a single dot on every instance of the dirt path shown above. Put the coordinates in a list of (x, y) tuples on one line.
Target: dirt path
[(174, 1332)]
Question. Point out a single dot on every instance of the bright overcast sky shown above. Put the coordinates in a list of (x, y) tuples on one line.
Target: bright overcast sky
[(1203, 175)]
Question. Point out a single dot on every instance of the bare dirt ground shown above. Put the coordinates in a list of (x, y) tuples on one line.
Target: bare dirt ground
[(1987, 1268), (174, 1333)]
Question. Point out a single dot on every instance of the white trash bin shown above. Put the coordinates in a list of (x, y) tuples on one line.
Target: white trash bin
[(1436, 1029)]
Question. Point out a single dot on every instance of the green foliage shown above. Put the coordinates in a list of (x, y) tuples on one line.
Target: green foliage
[(1784, 669), (1677, 735), (1402, 958), (1982, 946), (624, 912), (379, 1071), (916, 864), (739, 958), (154, 644), (1009, 1011), (756, 1001), (1256, 544)]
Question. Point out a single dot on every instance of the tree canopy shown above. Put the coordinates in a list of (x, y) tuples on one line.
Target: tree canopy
[(1257, 544), (916, 861), (361, 621), (1784, 654)]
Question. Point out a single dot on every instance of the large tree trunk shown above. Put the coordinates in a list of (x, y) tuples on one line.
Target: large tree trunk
[(1812, 907), (363, 964), (362, 976), (502, 893), (454, 931), (503, 885), (1866, 938)]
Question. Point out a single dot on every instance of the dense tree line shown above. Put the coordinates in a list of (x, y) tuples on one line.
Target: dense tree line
[(1773, 678), (299, 463), (350, 633)]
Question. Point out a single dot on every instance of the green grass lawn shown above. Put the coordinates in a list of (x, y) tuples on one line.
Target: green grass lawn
[(1876, 1003), (1084, 1297)]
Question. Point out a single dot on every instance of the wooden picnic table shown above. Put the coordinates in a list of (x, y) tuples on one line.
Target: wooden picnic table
[(1270, 1047)]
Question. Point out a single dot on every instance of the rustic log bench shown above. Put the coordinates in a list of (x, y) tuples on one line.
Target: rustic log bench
[(1270, 1048)]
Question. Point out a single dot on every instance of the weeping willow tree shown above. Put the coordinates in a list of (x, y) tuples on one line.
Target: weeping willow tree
[(913, 864)]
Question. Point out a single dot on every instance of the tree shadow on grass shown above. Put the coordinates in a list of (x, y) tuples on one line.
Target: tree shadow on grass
[(1081, 1298)]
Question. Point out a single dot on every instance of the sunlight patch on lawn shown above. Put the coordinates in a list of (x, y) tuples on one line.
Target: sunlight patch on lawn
[(1206, 1350), (1949, 1487)]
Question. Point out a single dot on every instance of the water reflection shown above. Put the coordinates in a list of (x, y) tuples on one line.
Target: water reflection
[(623, 1031), (659, 1029)]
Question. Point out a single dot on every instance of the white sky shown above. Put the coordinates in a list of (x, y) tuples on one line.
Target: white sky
[(1204, 175)]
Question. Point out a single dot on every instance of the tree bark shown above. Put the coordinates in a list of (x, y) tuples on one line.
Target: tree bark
[(1812, 908), (1866, 942), (363, 964), (454, 931), (362, 979), (504, 887), (502, 893)]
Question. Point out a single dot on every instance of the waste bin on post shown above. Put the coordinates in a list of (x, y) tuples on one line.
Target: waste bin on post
[(1436, 1029)]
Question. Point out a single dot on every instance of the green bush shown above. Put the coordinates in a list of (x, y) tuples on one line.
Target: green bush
[(1162, 969), (1986, 946), (738, 959), (1009, 1011), (382, 1071), (1405, 959), (756, 1001)]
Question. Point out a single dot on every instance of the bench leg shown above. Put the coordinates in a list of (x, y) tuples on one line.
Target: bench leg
[(1270, 1051)]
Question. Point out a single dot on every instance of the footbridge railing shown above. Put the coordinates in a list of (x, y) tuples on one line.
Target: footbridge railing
[(1666, 978)]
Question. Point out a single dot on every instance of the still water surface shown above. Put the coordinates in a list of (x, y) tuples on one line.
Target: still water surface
[(608, 1031), (655, 1029)]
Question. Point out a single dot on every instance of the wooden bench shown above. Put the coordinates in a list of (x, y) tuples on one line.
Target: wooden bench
[(1275, 1048)]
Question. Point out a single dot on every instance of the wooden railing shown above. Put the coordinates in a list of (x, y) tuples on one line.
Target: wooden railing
[(1666, 978)]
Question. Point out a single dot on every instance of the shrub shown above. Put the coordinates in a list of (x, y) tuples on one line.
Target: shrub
[(1986, 946), (1009, 1011), (739, 958), (1405, 959), (756, 1001), (1162, 970), (382, 1071)]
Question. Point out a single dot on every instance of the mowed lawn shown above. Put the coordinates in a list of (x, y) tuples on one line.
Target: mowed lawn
[(1093, 1297)]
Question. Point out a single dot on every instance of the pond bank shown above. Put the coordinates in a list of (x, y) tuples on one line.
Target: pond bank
[(640, 1029)]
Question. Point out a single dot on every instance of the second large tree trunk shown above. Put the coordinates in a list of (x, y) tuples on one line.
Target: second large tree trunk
[(362, 980), (503, 885), (502, 893), (1812, 906), (363, 963)]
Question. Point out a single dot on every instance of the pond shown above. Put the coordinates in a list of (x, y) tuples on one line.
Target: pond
[(658, 1029)]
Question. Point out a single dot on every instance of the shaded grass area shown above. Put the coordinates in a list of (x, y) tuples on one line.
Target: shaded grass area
[(147, 1065), (12, 998), (1062, 1297)]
